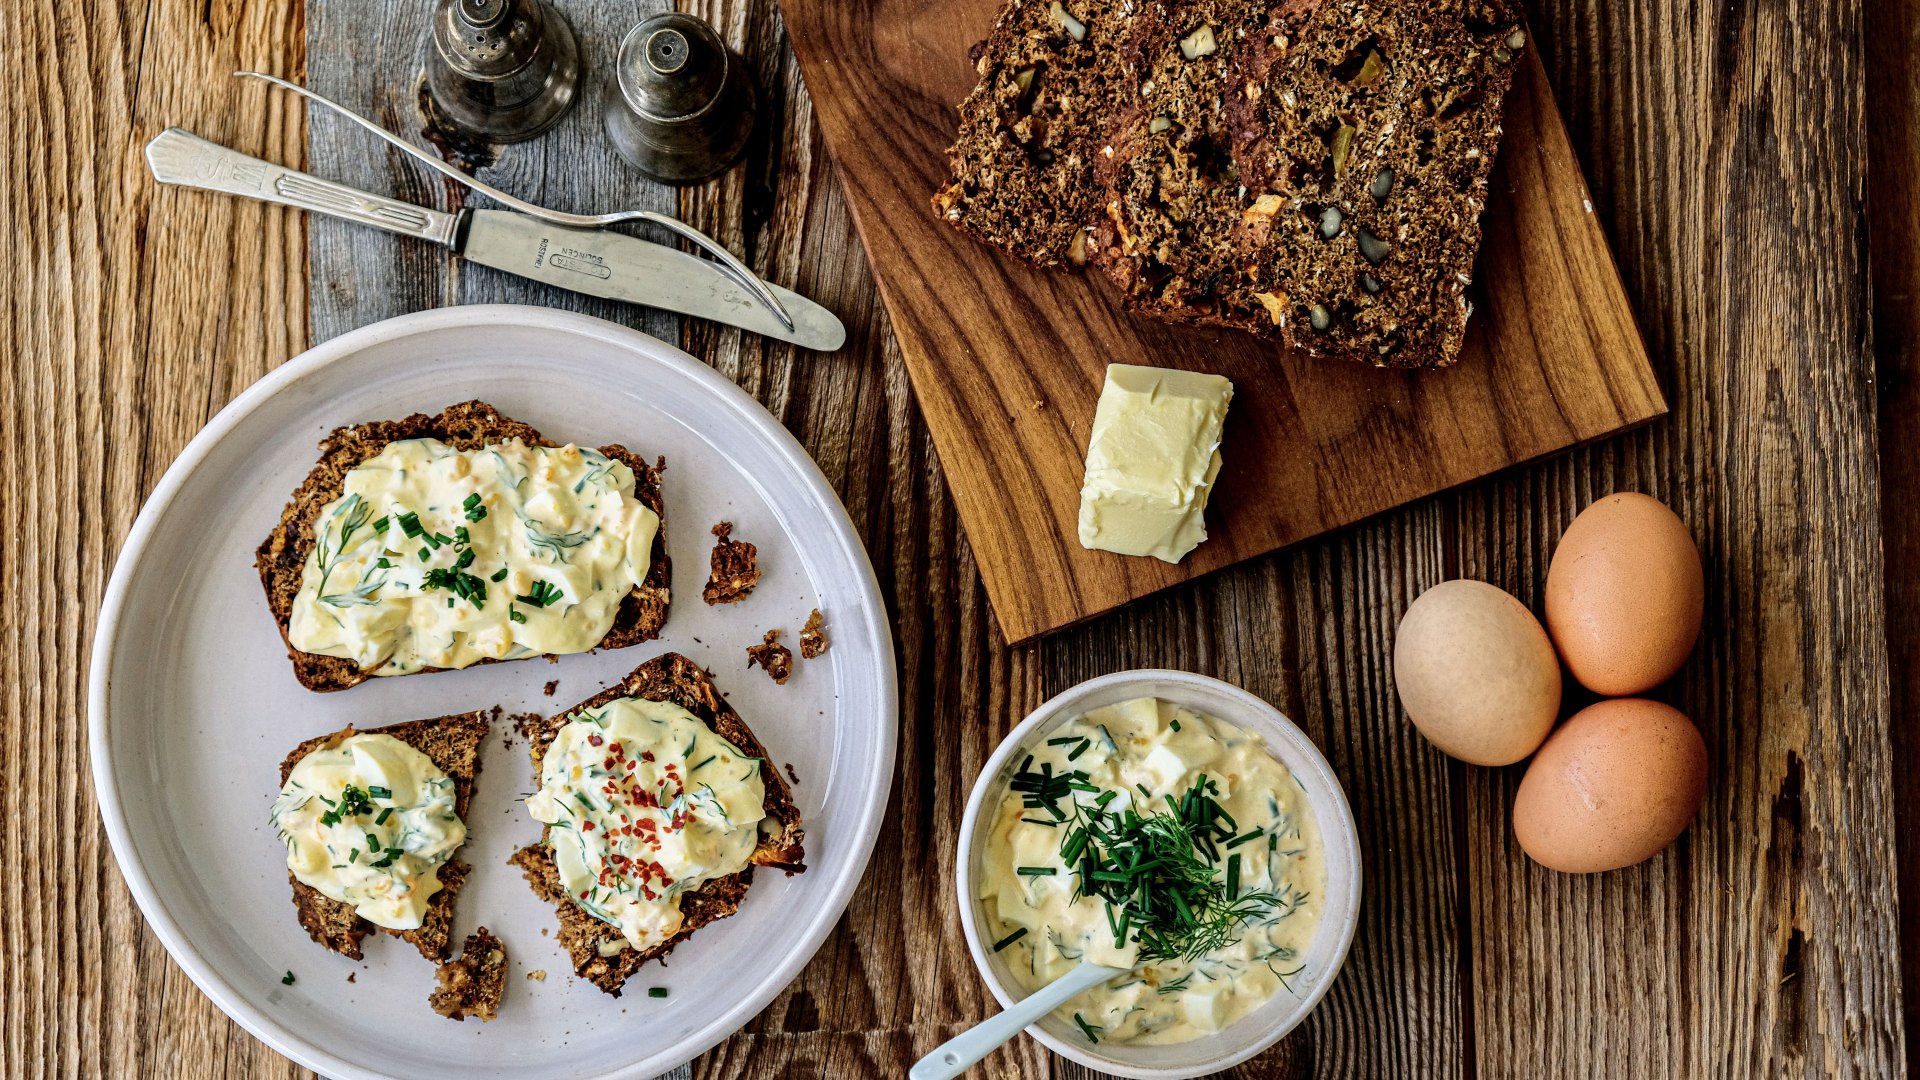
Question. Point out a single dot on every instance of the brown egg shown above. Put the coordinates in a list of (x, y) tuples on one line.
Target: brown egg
[(1476, 673), (1612, 787), (1625, 595)]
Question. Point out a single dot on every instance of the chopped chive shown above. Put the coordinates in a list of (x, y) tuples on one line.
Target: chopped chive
[(1242, 838), (1081, 749), (1003, 942), (500, 574), (384, 813), (287, 979), (514, 614), (410, 524), (1089, 1029), (1064, 740), (1174, 724), (1233, 877), (378, 792), (1038, 821), (1035, 871), (656, 991), (424, 555)]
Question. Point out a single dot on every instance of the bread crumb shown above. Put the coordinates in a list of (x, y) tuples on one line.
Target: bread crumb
[(551, 687), (774, 657), (813, 636), (736, 568), (350, 976), (791, 775), (473, 984), (540, 975)]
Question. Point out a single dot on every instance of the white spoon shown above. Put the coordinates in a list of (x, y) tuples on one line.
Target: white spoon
[(954, 1056)]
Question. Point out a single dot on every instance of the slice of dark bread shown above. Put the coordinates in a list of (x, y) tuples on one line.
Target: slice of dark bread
[(1033, 126), (1168, 235), (1366, 130), (468, 425), (452, 743), (674, 678), (474, 984)]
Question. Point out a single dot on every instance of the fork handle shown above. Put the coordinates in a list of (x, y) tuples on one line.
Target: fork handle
[(180, 157)]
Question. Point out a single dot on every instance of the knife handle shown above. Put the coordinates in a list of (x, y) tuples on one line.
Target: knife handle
[(180, 157)]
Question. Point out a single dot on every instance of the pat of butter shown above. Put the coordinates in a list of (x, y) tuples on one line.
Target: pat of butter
[(1151, 461)]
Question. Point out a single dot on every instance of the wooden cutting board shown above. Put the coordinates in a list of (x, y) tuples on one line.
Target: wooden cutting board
[(1007, 361)]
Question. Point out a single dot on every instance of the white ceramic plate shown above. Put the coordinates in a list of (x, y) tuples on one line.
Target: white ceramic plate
[(1340, 903), (193, 703)]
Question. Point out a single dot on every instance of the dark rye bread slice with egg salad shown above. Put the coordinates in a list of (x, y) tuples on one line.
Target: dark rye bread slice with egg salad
[(1173, 198), (598, 949), (1022, 164), (1366, 131), (452, 743), (467, 426)]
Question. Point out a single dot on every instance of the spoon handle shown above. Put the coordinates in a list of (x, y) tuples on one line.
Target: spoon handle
[(954, 1056)]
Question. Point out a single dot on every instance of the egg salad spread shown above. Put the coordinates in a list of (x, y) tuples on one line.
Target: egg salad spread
[(369, 821), (1147, 836), (645, 803), (437, 557)]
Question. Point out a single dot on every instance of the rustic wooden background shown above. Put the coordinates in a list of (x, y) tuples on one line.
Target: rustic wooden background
[(1727, 147)]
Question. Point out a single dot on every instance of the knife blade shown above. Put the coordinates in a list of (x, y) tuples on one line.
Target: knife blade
[(594, 262), (638, 271)]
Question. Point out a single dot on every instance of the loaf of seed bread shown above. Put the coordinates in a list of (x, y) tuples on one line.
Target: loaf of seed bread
[(1023, 161), (1308, 170), (452, 743), (469, 425), (1367, 130), (669, 677)]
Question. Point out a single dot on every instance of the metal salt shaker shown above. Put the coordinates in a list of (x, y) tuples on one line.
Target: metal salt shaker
[(682, 106), (501, 70)]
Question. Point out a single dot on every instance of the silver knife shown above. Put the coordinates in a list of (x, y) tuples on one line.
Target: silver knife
[(590, 261)]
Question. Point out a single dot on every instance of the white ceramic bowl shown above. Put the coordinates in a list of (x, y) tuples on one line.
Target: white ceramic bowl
[(1340, 909)]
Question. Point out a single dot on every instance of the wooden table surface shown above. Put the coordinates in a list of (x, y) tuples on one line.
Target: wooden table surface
[(1727, 146)]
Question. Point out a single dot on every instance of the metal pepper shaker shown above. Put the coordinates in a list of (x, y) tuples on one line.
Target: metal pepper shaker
[(682, 105), (502, 70)]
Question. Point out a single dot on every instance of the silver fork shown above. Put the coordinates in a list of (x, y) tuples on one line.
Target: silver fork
[(735, 268)]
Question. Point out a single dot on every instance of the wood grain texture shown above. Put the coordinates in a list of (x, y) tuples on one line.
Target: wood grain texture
[(1893, 218), (1763, 944), (1008, 360), (132, 315)]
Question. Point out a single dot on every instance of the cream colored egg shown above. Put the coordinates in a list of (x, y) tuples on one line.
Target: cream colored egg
[(1476, 673), (1613, 786), (1625, 595)]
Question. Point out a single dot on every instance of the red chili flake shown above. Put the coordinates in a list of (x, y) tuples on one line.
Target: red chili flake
[(615, 747), (595, 740), (586, 826), (646, 755)]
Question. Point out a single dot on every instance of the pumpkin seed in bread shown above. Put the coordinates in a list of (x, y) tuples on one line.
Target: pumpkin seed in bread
[(639, 787), (452, 745), (563, 566)]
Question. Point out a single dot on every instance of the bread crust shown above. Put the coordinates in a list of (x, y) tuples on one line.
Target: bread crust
[(672, 678), (468, 425), (452, 743)]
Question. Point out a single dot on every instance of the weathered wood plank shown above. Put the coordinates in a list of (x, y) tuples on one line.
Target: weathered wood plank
[(132, 314), (1764, 942), (1893, 218)]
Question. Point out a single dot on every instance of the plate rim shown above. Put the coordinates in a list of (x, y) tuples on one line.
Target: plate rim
[(106, 783)]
